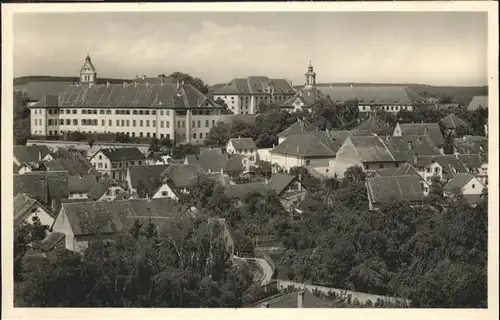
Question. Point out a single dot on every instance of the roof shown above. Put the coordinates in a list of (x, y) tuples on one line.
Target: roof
[(471, 144), (23, 203), (478, 101), (376, 125), (73, 161), (446, 106), (89, 218), (51, 241), (213, 161), (136, 95), (279, 182), (30, 153), (459, 181), (123, 154), (99, 189), (37, 89), (182, 175), (450, 163), (404, 170), (243, 143), (81, 183), (339, 136), (308, 96), (432, 129), (317, 144), (220, 178), (399, 95), (242, 191), (376, 149), (290, 301), (300, 126), (42, 185), (415, 144), (451, 121), (472, 161), (148, 175), (401, 188), (254, 85)]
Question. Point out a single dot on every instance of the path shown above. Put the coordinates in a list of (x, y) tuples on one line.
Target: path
[(267, 270)]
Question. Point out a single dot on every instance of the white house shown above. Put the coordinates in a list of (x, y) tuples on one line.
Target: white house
[(467, 185), (27, 210), (105, 191), (113, 163), (243, 146)]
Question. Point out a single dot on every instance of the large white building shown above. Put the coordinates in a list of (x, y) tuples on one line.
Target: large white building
[(170, 110)]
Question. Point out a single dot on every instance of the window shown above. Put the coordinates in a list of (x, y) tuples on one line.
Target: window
[(473, 186), (140, 123), (108, 111), (199, 124), (193, 124), (148, 135), (178, 124), (141, 112), (110, 122), (161, 124), (207, 124), (154, 124), (105, 165), (147, 123), (428, 179), (183, 124), (128, 123), (101, 111), (201, 135), (140, 134), (164, 193), (436, 170), (167, 113), (103, 123), (117, 123), (161, 113), (428, 170), (153, 112), (134, 111), (381, 166), (167, 124), (99, 165), (68, 122), (140, 163), (194, 135), (75, 122), (213, 123), (162, 135)]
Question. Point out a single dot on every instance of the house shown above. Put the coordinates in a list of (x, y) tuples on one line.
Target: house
[(47, 187), (105, 190), (26, 154), (447, 106), (476, 164), (372, 98), (383, 190), (431, 129), (306, 97), (144, 179), (315, 149), (113, 163), (376, 125), (244, 190), (79, 186), (478, 102), (176, 180), (82, 222), (232, 165), (406, 169), (243, 146), (298, 127), (452, 123), (471, 145), (27, 209), (443, 166), (339, 136), (288, 188), (465, 184)]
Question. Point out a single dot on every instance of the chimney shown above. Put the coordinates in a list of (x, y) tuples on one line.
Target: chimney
[(178, 84), (419, 138), (266, 181), (300, 299), (415, 158), (426, 130), (107, 84), (300, 181), (410, 145), (143, 77), (39, 155)]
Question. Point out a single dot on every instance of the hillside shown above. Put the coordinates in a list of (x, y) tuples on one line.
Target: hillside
[(22, 81)]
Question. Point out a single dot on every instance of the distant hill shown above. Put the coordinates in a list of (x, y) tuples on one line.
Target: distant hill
[(22, 81)]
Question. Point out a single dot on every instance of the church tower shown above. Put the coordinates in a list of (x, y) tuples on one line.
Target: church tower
[(310, 76), (87, 72)]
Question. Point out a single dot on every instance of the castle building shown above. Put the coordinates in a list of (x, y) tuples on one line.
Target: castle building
[(305, 97), (165, 110)]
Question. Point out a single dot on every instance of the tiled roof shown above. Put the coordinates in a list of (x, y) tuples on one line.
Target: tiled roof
[(450, 163), (420, 145), (139, 95), (81, 183), (376, 125), (308, 96), (243, 143), (279, 182), (219, 178), (51, 241), (307, 145), (300, 126), (241, 191), (472, 161), (213, 161), (146, 174), (459, 181), (373, 95), (446, 106), (123, 154), (254, 85), (339, 136), (74, 162), (30, 153), (42, 185), (90, 218), (432, 129), (401, 188), (478, 101), (182, 175), (37, 89), (22, 205), (99, 189), (405, 169), (471, 144), (451, 121), (376, 149)]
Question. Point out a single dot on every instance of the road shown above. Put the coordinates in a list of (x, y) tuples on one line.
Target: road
[(267, 271)]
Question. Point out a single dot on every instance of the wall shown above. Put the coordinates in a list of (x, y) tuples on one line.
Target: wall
[(430, 171), (62, 225), (165, 188), (346, 157), (264, 155), (44, 217), (287, 162), (474, 187)]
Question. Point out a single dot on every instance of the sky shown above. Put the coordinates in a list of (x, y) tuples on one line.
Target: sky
[(437, 48)]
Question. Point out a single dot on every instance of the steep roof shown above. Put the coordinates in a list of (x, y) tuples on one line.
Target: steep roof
[(42, 185), (472, 161), (451, 121), (459, 181), (401, 188), (478, 101), (306, 145), (450, 163), (243, 143), (340, 136), (137, 95), (374, 95), (308, 96), (241, 191), (471, 145), (123, 154), (405, 169), (99, 189), (376, 125), (146, 174), (73, 161), (414, 144), (300, 126), (81, 183), (376, 149), (254, 85), (37, 89), (23, 203), (213, 161), (182, 175), (90, 218), (51, 241), (279, 182), (30, 153), (432, 129)]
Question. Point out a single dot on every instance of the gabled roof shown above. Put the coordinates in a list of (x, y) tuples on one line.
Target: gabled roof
[(414, 144), (471, 144), (214, 161), (308, 96), (376, 149), (374, 95), (182, 176), (405, 169), (23, 204), (459, 181), (450, 163), (472, 161), (99, 189), (122, 154), (72, 161), (254, 85), (30, 153), (400, 188), (300, 126), (37, 89), (451, 121), (51, 241), (478, 101), (306, 145), (146, 174), (42, 185), (339, 136), (242, 191), (432, 129), (279, 182), (45, 101), (376, 125), (81, 183), (243, 143)]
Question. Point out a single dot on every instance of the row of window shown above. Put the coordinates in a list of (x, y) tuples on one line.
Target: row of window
[(122, 123), (387, 108), (56, 111)]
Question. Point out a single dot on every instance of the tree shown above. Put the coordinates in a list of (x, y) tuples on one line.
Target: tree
[(188, 79), (154, 145), (76, 136), (21, 119), (223, 104), (354, 174)]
